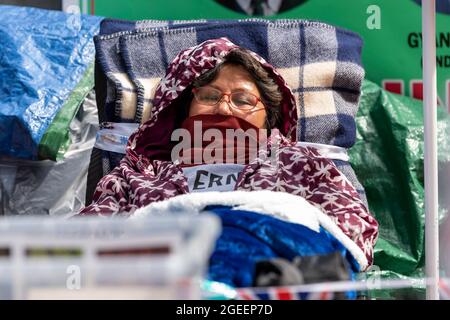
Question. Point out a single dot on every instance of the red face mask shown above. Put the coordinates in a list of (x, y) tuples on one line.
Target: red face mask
[(216, 138)]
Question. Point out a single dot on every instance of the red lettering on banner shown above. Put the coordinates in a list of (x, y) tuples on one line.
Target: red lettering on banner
[(394, 86), (416, 91)]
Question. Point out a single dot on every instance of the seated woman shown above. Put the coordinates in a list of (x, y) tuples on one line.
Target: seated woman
[(219, 86)]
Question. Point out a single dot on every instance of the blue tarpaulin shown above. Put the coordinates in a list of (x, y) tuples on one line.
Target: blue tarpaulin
[(43, 56)]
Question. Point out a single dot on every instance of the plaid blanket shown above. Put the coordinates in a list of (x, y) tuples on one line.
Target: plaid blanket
[(118, 94), (321, 63)]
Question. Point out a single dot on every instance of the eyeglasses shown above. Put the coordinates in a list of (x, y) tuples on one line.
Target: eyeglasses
[(240, 100)]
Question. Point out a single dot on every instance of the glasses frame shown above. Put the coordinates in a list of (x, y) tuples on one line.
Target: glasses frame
[(230, 101)]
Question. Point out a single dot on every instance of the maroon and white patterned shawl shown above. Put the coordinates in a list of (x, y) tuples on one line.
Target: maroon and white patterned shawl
[(146, 173)]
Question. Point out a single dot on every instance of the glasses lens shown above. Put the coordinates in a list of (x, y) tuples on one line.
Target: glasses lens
[(211, 97), (208, 96), (243, 100)]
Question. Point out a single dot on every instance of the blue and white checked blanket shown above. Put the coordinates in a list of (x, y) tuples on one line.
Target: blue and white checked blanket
[(320, 62)]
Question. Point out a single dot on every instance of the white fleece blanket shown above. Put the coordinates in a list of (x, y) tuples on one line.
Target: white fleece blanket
[(280, 205)]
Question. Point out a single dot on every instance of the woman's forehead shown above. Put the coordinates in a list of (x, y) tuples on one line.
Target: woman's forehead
[(232, 76)]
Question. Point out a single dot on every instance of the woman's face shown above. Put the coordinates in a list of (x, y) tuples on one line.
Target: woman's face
[(232, 78)]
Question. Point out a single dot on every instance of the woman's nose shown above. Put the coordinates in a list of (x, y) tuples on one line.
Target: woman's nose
[(224, 107)]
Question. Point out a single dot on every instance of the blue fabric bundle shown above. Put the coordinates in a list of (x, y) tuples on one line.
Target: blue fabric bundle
[(44, 55), (248, 237)]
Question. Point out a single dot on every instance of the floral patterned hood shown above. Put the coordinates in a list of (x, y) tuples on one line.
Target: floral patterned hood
[(152, 139)]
